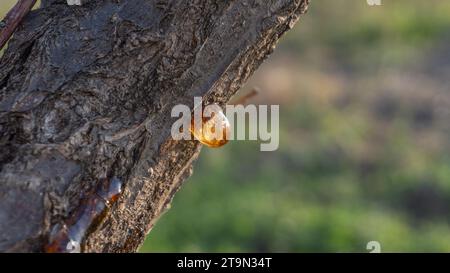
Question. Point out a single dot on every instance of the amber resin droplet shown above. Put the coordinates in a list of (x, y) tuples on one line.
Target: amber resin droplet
[(69, 235), (206, 132)]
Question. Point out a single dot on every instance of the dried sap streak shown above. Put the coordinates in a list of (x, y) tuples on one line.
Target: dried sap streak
[(207, 132), (69, 236)]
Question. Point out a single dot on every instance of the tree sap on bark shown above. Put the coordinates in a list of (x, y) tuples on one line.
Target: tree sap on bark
[(69, 236)]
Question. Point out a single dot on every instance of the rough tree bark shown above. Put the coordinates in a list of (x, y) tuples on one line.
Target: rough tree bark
[(85, 98)]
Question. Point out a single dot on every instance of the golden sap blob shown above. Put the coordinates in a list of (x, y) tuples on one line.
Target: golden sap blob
[(206, 132)]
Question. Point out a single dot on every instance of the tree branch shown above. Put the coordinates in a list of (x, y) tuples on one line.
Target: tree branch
[(13, 18), (85, 99)]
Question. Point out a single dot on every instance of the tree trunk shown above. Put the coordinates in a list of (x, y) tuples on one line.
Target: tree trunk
[(85, 100)]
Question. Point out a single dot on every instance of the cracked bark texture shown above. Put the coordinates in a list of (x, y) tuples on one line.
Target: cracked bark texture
[(86, 94)]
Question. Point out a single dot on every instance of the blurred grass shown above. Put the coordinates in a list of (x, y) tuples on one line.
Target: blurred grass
[(364, 149), (364, 142)]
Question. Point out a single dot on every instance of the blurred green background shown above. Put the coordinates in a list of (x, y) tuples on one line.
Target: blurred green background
[(364, 142)]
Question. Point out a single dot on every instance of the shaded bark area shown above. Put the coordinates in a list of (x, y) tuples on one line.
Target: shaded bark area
[(86, 94)]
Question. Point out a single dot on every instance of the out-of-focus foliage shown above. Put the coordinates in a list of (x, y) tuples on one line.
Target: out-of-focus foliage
[(364, 142)]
